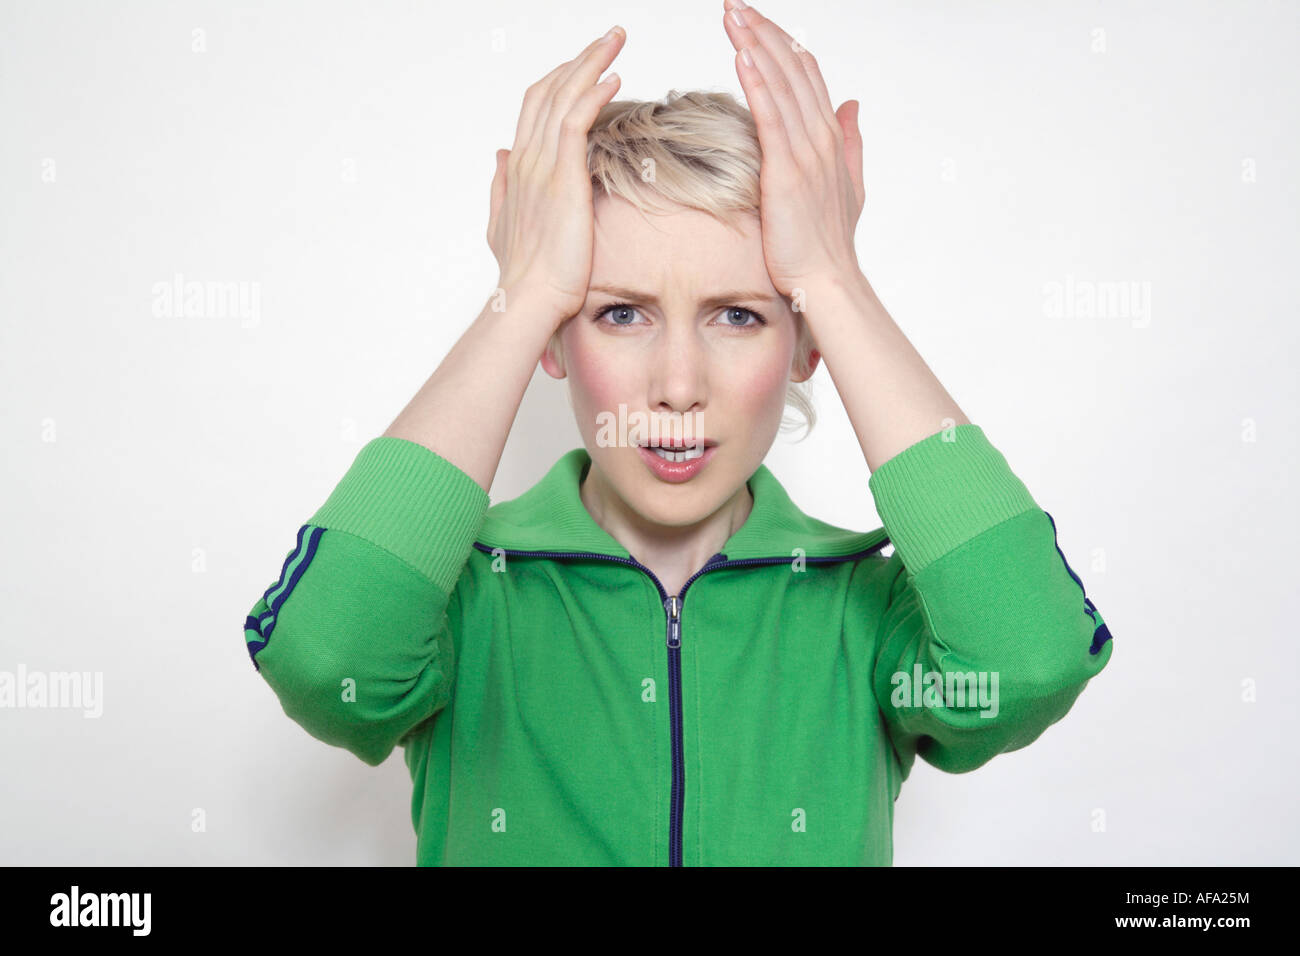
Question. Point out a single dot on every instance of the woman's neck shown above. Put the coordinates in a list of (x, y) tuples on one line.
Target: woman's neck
[(673, 553)]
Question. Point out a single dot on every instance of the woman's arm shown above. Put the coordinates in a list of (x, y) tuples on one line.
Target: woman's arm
[(357, 636), (465, 410), (981, 595), (988, 636), (812, 197), (892, 398), (542, 231)]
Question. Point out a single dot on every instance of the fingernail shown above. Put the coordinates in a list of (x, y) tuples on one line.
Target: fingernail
[(744, 55), (737, 17), (613, 32)]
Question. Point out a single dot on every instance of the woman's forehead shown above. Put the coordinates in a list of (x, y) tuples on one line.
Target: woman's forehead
[(634, 249)]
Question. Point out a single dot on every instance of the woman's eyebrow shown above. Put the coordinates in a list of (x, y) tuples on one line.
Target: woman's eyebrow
[(726, 297)]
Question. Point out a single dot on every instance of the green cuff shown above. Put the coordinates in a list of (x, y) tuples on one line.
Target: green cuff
[(936, 495), (412, 502)]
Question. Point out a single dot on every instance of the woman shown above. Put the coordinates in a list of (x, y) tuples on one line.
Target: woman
[(558, 697)]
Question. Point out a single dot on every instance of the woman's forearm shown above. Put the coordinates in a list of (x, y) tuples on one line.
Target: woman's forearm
[(892, 398), (465, 410)]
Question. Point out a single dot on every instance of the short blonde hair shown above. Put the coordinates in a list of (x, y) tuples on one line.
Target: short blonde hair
[(696, 149)]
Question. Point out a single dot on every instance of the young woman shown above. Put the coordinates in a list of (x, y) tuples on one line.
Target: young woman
[(653, 657)]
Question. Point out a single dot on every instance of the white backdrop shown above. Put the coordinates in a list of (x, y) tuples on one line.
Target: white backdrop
[(332, 161)]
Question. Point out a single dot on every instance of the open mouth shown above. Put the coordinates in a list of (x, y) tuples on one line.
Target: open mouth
[(680, 451), (685, 455)]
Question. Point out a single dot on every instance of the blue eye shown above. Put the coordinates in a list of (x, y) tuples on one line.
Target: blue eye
[(615, 307), (623, 307), (749, 312)]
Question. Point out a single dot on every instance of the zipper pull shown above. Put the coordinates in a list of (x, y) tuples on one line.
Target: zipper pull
[(674, 625)]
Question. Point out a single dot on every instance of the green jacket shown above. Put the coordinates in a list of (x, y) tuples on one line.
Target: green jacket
[(556, 707)]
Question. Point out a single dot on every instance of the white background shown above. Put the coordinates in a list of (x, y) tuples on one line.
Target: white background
[(338, 155)]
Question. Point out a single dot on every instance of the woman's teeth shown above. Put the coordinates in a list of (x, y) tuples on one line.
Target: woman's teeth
[(685, 455)]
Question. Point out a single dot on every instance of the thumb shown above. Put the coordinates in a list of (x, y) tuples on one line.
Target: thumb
[(498, 192), (847, 114)]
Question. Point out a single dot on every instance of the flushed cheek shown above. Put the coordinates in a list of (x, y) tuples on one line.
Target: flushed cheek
[(596, 385), (759, 393)]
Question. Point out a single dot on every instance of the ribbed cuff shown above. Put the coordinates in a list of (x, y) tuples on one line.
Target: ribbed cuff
[(936, 495), (412, 502)]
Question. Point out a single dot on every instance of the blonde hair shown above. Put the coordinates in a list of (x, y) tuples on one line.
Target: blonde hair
[(696, 149)]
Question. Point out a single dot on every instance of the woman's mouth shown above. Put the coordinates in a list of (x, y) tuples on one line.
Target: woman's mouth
[(679, 463), (687, 454)]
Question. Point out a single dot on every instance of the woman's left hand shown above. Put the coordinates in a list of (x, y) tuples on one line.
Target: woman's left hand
[(810, 180)]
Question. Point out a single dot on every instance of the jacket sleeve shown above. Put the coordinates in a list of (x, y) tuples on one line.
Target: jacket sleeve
[(988, 637), (354, 636)]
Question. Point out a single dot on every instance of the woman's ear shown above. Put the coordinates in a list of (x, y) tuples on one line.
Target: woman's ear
[(803, 374), (553, 357)]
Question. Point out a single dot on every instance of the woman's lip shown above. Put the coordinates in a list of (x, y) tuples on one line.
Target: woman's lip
[(674, 472), (707, 443)]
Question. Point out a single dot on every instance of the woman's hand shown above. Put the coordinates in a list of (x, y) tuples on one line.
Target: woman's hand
[(810, 181), (542, 224)]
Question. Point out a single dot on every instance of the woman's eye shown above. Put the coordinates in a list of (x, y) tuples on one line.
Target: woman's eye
[(743, 314), (624, 315), (619, 314)]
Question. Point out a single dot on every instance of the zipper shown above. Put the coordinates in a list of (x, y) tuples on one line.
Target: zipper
[(678, 793), (673, 638)]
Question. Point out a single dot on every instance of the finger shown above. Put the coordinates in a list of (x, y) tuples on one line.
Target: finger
[(847, 115), (779, 108), (571, 150), (806, 59), (580, 78), (812, 70), (536, 99), (773, 137), (807, 111)]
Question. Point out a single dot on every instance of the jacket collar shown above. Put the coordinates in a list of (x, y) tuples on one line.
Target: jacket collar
[(550, 516)]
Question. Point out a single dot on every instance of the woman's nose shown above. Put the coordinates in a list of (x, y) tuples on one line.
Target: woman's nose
[(678, 375)]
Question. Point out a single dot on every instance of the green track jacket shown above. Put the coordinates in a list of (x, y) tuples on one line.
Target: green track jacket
[(556, 707)]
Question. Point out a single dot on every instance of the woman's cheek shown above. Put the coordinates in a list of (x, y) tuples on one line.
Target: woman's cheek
[(595, 385), (764, 387)]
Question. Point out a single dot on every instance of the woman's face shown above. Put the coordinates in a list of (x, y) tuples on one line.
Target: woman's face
[(686, 350)]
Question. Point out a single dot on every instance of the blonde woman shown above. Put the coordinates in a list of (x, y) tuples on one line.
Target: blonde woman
[(653, 656)]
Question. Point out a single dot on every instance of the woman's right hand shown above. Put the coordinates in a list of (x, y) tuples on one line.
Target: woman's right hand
[(542, 224)]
